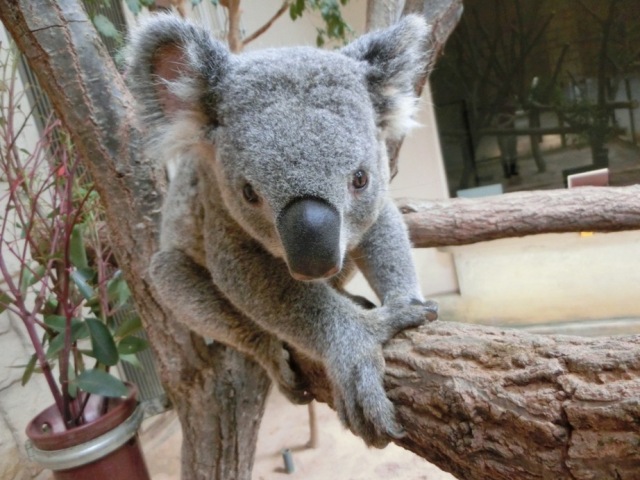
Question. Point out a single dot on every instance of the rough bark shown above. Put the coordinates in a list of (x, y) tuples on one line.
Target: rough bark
[(382, 13), (460, 221), (484, 403), (476, 401)]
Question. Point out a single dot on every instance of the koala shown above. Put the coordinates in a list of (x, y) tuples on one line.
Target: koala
[(279, 193)]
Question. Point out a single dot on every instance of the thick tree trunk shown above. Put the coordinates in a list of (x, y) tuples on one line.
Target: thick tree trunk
[(476, 401), (219, 395)]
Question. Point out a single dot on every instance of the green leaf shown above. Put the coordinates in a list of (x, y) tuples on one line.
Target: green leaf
[(51, 305), (131, 345), (78, 330), (55, 322), (94, 304), (30, 276), (102, 344), (105, 27), (28, 371), (118, 290), (5, 300), (131, 325), (80, 279), (77, 250), (59, 322), (55, 345), (131, 359), (101, 383), (134, 6), (296, 9)]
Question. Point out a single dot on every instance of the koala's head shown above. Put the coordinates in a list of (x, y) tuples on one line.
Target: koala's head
[(299, 135)]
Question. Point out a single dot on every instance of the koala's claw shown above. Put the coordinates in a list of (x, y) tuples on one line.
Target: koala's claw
[(432, 310), (398, 434), (291, 384), (299, 395)]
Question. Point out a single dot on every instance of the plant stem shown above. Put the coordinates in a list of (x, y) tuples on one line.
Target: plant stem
[(28, 319), (66, 208)]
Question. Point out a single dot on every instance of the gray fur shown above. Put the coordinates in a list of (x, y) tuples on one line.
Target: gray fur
[(293, 123)]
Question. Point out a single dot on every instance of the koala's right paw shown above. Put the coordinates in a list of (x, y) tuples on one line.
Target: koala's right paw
[(291, 383), (356, 368)]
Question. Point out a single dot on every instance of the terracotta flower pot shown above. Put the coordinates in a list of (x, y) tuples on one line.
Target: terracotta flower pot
[(104, 448)]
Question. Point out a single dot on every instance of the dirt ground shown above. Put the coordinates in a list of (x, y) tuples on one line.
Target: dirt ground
[(339, 456)]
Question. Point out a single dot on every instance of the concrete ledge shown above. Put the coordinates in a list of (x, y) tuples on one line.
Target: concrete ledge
[(546, 278)]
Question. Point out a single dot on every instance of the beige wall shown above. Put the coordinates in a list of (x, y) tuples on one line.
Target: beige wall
[(548, 279)]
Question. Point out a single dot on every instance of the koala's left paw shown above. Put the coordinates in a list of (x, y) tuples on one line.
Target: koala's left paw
[(362, 403), (356, 369)]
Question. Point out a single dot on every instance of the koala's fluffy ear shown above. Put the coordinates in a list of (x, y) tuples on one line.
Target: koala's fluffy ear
[(174, 69), (396, 58)]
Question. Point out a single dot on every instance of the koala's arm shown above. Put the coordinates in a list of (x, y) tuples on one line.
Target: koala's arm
[(317, 320), (384, 257), (195, 302), (183, 282)]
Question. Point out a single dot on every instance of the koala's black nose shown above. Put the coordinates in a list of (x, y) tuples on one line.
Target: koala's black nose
[(310, 232)]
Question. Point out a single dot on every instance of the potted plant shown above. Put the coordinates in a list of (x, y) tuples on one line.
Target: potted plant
[(62, 282)]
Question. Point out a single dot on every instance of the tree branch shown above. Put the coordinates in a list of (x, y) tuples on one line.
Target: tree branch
[(234, 34), (483, 403), (382, 13), (591, 12), (460, 221), (283, 8)]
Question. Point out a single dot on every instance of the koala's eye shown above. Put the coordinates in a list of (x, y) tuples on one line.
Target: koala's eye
[(250, 194), (360, 180)]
